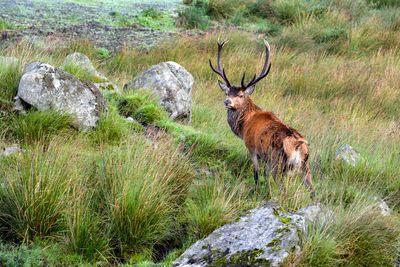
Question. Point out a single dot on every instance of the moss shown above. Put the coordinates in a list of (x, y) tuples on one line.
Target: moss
[(281, 230), (204, 247), (148, 113), (240, 258), (107, 87), (273, 243), (281, 218)]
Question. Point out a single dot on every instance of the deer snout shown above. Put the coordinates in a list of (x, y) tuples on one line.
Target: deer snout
[(228, 103)]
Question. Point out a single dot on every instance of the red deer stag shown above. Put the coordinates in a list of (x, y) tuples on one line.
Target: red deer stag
[(281, 147)]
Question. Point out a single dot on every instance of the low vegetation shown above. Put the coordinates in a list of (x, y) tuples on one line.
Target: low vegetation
[(4, 25), (142, 192)]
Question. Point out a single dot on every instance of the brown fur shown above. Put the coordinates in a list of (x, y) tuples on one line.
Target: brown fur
[(268, 138), (283, 148)]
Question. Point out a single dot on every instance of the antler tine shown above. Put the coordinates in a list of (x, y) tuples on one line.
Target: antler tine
[(244, 74), (220, 72), (263, 72)]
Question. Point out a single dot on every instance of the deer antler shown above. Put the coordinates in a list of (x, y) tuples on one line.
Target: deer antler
[(263, 72), (220, 72)]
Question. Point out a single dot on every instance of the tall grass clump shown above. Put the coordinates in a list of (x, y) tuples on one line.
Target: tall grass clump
[(193, 18), (221, 9), (148, 187), (82, 73), (10, 76), (38, 125), (111, 128), (287, 11), (212, 203), (357, 236), (35, 193), (86, 234), (141, 105)]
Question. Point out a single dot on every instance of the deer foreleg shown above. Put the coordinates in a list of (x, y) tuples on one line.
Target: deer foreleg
[(256, 166)]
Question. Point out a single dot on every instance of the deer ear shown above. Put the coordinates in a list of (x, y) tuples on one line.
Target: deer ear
[(250, 89), (223, 86)]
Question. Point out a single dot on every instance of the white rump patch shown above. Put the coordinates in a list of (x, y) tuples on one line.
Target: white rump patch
[(295, 159)]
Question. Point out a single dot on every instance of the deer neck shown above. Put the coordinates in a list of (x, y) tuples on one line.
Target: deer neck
[(238, 117)]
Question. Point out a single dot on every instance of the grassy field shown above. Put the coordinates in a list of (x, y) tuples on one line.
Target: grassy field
[(117, 195)]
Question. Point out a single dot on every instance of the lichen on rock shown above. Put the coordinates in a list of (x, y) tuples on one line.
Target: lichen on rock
[(262, 237)]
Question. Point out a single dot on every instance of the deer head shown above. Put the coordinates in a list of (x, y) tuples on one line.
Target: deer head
[(236, 95)]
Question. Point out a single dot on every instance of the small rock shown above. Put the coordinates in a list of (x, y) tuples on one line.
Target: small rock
[(8, 151), (313, 213), (108, 86), (172, 84), (46, 87), (385, 210), (130, 119), (18, 105), (8, 62), (348, 155), (83, 62)]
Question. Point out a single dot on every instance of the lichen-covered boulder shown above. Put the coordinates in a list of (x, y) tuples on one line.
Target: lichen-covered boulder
[(172, 84), (46, 87), (83, 62), (263, 237), (349, 155)]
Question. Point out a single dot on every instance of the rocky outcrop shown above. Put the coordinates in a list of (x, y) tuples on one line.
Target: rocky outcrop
[(348, 155), (263, 237), (46, 87), (172, 84), (83, 62)]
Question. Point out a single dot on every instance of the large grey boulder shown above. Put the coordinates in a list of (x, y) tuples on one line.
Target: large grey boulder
[(83, 62), (348, 155), (46, 87), (263, 237), (172, 84)]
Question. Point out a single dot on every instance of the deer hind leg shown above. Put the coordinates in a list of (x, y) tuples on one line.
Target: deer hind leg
[(272, 164), (256, 166), (307, 178), (298, 163)]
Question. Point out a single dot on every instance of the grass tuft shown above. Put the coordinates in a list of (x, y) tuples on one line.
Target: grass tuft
[(38, 125)]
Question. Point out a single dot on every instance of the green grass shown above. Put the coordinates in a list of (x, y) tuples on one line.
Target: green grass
[(193, 18), (4, 25), (124, 193), (36, 194), (82, 73), (149, 18), (213, 203), (9, 81), (41, 125)]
